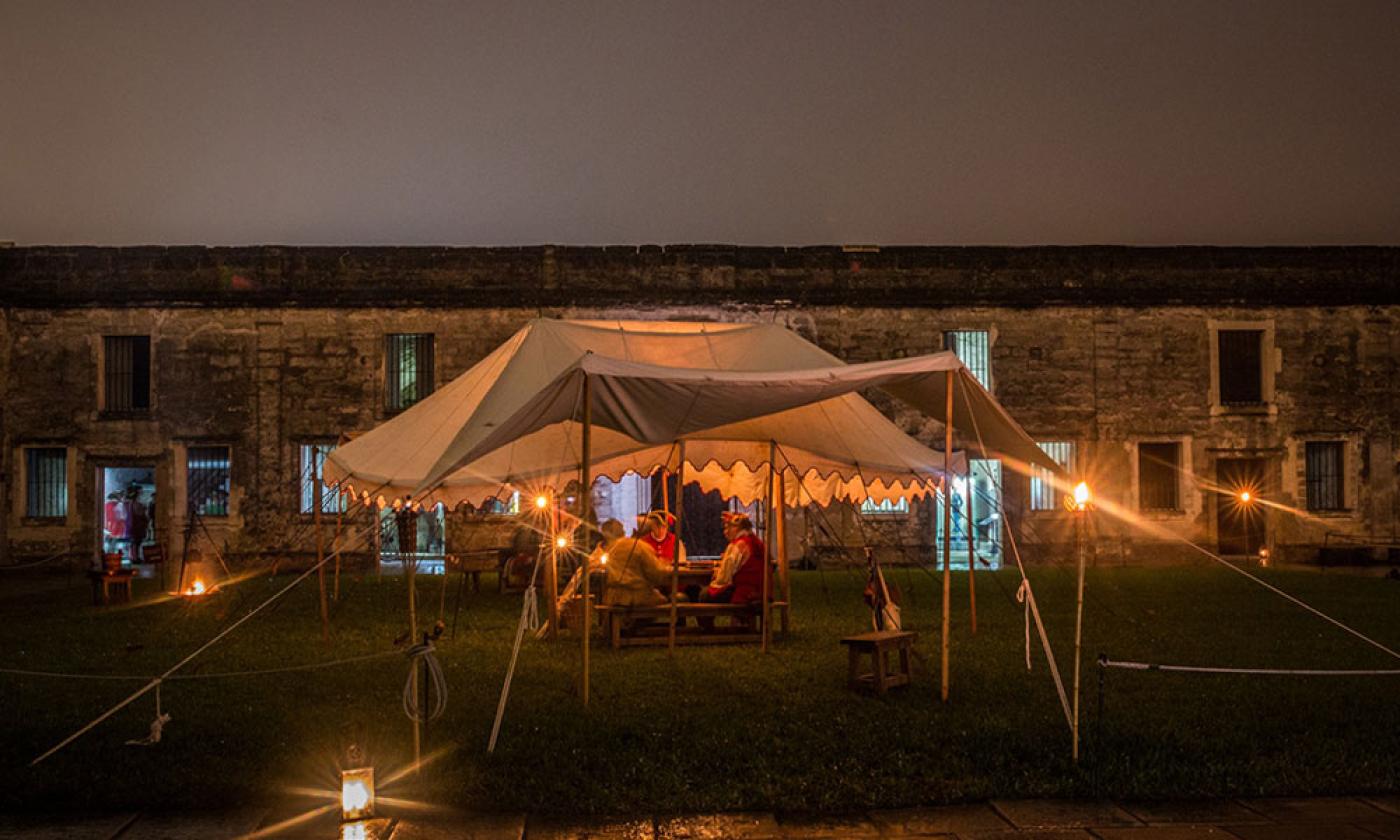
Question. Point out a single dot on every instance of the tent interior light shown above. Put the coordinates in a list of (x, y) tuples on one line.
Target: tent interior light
[(541, 502), (604, 558), (1245, 496), (357, 793), (562, 542)]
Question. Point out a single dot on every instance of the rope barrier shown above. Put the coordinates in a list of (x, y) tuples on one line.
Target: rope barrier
[(1105, 662), (23, 672)]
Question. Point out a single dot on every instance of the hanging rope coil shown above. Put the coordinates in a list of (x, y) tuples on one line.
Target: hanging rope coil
[(414, 706), (1022, 597)]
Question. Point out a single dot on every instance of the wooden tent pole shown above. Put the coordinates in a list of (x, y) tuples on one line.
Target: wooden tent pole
[(770, 540), (320, 542), (335, 541), (783, 581), (971, 550), (1079, 517), (585, 508), (947, 532), (676, 561)]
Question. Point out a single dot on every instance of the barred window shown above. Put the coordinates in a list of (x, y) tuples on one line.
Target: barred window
[(1159, 466), (408, 369), (974, 348), (1324, 475), (1241, 366), (46, 482), (126, 372), (1043, 493), (313, 459), (207, 479), (898, 507)]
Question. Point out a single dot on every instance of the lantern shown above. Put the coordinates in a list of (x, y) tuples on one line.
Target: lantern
[(1081, 496), (357, 793)]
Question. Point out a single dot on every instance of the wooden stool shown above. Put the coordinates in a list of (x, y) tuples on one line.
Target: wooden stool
[(878, 645), (106, 586)]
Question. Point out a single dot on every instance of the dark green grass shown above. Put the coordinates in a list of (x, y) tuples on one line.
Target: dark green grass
[(718, 728)]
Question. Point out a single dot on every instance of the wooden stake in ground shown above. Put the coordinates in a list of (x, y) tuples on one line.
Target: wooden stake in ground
[(676, 561), (947, 532), (320, 541), (971, 550), (585, 508)]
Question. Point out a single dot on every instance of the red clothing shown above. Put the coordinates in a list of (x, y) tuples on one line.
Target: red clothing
[(665, 549), (747, 583)]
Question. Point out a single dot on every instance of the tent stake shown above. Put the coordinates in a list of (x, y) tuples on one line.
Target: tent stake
[(585, 508), (947, 532), (971, 550), (675, 561)]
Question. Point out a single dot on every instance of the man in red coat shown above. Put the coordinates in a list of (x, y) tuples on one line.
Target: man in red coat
[(738, 577), (656, 532)]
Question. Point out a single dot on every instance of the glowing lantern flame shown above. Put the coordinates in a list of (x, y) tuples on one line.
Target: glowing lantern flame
[(196, 588), (541, 502), (604, 558), (1081, 495), (1244, 496), (357, 793), (562, 542)]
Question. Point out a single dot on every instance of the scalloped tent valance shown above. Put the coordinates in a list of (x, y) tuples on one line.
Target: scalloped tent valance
[(510, 422)]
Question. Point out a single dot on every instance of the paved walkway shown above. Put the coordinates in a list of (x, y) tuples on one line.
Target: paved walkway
[(1327, 818)]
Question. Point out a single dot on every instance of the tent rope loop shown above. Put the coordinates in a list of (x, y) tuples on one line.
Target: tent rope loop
[(531, 608), (413, 705), (1022, 592), (157, 725)]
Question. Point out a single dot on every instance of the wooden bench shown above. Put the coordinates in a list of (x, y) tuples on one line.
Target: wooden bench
[(107, 586), (879, 644), (749, 631)]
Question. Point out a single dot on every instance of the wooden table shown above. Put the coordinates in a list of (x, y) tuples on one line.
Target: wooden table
[(106, 586), (879, 644)]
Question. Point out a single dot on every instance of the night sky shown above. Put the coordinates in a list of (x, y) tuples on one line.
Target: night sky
[(759, 122)]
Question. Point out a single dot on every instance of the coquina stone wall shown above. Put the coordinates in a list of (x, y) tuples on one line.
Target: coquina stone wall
[(263, 349)]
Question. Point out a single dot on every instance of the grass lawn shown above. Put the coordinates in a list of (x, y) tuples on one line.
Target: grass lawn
[(716, 728)]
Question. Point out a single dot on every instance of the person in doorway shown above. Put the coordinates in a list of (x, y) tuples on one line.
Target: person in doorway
[(656, 532)]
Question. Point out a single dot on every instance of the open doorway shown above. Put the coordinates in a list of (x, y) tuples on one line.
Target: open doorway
[(126, 511), (1239, 519)]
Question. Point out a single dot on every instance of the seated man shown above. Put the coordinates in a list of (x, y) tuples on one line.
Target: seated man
[(634, 573), (655, 530), (738, 577)]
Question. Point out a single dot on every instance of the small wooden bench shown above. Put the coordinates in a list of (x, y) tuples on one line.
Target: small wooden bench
[(879, 644), (107, 586), (613, 618)]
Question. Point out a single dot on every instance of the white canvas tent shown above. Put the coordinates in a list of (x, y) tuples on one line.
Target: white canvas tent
[(511, 421)]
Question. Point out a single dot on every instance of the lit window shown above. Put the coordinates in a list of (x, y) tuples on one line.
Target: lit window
[(974, 348), (1159, 466), (207, 480), (1324, 475), (313, 459), (126, 373), (1043, 493), (408, 369), (46, 482)]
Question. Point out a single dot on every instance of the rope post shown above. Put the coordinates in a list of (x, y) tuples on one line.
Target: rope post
[(585, 508), (676, 561), (320, 488), (971, 550), (335, 541), (1079, 516), (406, 519), (781, 522), (947, 533), (1098, 720)]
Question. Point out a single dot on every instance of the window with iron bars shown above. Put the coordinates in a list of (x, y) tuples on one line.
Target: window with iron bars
[(1159, 485), (311, 476), (207, 479), (1043, 493), (898, 507), (126, 373), (1241, 366), (974, 349), (46, 482), (408, 369), (1324, 477)]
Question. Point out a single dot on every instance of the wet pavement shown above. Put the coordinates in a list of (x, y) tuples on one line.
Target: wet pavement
[(1327, 818)]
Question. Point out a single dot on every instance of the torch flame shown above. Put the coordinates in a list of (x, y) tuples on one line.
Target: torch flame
[(1081, 495), (562, 542), (196, 588), (541, 502), (1244, 496)]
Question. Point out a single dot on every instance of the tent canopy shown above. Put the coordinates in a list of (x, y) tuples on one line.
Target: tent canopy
[(728, 389)]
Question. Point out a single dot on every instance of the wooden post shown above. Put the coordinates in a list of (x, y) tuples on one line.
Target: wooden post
[(1079, 516), (947, 533), (335, 541), (676, 561), (585, 508), (406, 521), (320, 542), (770, 540), (783, 581), (971, 549)]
